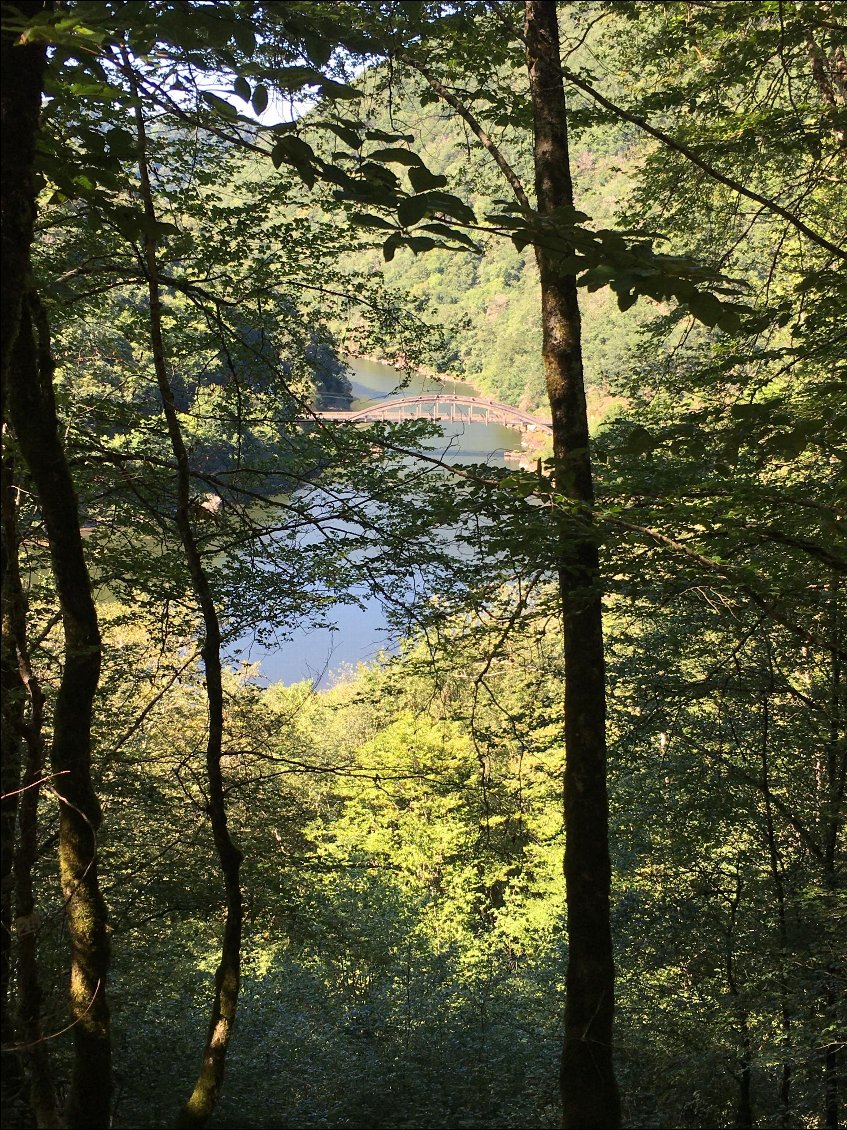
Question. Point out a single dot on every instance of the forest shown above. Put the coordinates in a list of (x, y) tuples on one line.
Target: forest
[(566, 845)]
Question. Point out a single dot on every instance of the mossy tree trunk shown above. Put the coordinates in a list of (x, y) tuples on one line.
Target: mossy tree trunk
[(33, 415), (23, 722), (30, 410), (588, 1085)]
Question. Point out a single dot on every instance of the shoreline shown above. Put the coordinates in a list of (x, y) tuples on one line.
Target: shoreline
[(525, 457), (399, 363)]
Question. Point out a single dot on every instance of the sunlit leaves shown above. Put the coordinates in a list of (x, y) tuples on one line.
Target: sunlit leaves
[(627, 263)]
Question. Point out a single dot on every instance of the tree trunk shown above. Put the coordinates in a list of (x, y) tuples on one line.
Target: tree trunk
[(23, 717), (744, 1106), (10, 773), (20, 87), (21, 70), (204, 1097), (33, 415), (744, 1075), (833, 819), (21, 79), (27, 372), (589, 1089), (776, 870)]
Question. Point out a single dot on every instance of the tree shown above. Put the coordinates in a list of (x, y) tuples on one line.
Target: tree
[(589, 1089), (29, 407), (741, 483), (177, 281), (106, 200)]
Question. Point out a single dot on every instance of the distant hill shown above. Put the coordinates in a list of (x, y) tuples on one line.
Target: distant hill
[(488, 305)]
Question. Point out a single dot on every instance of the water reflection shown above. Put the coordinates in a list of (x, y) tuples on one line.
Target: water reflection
[(360, 633)]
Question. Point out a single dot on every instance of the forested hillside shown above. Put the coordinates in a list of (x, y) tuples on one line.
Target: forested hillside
[(488, 304), (570, 851)]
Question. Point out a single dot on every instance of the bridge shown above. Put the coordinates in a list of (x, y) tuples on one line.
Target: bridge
[(454, 409)]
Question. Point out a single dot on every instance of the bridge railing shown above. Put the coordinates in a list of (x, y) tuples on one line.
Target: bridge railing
[(468, 409)]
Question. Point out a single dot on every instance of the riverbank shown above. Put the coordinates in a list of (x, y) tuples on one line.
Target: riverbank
[(356, 632), (533, 445), (402, 364)]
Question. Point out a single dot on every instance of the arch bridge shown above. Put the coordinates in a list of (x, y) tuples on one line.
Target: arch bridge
[(452, 408)]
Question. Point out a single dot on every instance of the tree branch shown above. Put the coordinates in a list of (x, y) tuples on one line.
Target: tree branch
[(476, 128), (705, 166)]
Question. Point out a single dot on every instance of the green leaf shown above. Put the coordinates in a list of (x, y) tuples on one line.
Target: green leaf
[(219, 105), (159, 228), (571, 264), (414, 208), (241, 88), (259, 101), (398, 156), (419, 243), (292, 78), (450, 233), (520, 484), (339, 90), (706, 308), (317, 47), (422, 180), (382, 135), (367, 220), (293, 150), (788, 445), (597, 277), (349, 136), (122, 144), (134, 224), (244, 37), (638, 442), (378, 174), (743, 411), (390, 246), (730, 320)]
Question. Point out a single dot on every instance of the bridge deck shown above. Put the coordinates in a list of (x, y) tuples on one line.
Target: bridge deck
[(441, 406)]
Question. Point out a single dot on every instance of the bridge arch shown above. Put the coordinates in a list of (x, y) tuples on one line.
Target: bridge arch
[(440, 406)]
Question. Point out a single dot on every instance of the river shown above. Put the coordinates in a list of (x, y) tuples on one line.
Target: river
[(360, 634)]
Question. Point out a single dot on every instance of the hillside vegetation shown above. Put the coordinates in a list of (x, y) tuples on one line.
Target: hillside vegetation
[(487, 304)]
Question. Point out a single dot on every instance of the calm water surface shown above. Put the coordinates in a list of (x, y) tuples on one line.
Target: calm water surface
[(360, 634)]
